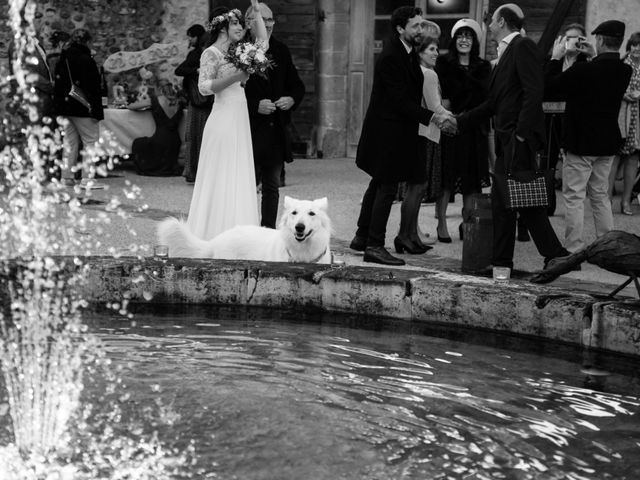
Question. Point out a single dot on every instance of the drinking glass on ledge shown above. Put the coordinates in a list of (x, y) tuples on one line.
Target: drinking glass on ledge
[(501, 274)]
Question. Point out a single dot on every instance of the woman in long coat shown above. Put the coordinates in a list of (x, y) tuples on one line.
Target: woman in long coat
[(464, 77)]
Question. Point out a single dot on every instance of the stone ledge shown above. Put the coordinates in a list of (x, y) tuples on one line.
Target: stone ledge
[(421, 295)]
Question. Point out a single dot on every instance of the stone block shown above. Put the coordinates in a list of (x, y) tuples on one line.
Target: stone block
[(334, 7), (366, 297), (332, 88), (616, 327), (334, 37), (333, 143), (269, 287), (332, 114), (333, 62)]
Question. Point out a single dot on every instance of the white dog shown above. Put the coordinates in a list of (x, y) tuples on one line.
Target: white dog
[(303, 235)]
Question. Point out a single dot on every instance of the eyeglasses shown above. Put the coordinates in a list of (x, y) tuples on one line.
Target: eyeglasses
[(268, 21)]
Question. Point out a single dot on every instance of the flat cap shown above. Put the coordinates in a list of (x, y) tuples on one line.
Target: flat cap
[(610, 28)]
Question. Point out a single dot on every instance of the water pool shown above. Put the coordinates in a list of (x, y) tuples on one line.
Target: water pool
[(272, 395)]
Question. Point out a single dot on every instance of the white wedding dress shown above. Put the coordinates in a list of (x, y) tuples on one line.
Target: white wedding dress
[(224, 194)]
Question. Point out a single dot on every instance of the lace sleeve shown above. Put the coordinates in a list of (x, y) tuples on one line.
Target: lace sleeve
[(209, 65)]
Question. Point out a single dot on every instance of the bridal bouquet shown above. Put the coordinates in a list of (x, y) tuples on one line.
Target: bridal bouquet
[(249, 57)]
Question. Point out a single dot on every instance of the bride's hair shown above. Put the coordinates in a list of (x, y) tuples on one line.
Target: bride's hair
[(219, 21)]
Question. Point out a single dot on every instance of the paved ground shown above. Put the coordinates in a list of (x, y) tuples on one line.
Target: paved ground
[(343, 184)]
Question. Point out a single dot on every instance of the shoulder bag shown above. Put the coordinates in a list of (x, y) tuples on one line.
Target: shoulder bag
[(195, 97), (76, 92)]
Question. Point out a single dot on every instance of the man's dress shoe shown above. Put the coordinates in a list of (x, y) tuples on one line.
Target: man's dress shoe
[(358, 244), (381, 255)]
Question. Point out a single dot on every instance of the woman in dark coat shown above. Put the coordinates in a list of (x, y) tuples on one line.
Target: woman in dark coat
[(464, 78), (199, 107), (78, 66), (157, 155)]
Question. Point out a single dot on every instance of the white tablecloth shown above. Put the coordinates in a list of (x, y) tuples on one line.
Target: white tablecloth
[(121, 127)]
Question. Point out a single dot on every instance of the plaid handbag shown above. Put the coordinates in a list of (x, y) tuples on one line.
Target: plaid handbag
[(524, 189)]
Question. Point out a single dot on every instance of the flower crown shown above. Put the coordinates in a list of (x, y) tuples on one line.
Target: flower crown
[(221, 18)]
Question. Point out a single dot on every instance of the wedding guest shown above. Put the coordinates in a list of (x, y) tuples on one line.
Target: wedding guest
[(77, 67), (592, 133), (388, 146), (630, 118), (464, 77), (554, 122), (515, 103), (58, 41), (271, 101), (199, 106), (410, 209), (42, 78), (157, 155), (429, 182)]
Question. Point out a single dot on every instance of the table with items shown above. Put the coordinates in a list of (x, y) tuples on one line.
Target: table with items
[(121, 126)]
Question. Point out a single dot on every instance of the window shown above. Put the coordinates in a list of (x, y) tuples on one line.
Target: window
[(443, 12)]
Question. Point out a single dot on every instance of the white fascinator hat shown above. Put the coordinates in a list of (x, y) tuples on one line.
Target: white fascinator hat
[(467, 23)]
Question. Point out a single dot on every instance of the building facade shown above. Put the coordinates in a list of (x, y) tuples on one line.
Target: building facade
[(334, 44)]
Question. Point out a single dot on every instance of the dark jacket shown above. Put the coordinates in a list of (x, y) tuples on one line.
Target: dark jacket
[(465, 155), (516, 89), (388, 146), (270, 135), (550, 96), (189, 70), (190, 66), (42, 81), (593, 92), (85, 74), (465, 88)]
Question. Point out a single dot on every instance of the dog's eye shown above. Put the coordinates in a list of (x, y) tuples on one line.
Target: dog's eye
[(295, 212), (311, 214)]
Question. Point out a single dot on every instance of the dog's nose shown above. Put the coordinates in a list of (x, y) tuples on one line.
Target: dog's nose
[(300, 227)]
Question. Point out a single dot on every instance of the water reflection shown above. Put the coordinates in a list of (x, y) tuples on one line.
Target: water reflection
[(264, 399)]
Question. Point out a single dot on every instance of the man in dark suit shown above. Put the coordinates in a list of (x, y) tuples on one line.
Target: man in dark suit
[(593, 92), (388, 147), (515, 101), (270, 101)]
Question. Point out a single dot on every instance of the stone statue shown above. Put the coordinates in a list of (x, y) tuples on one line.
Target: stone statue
[(616, 251)]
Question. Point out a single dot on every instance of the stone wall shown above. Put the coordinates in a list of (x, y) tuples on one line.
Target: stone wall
[(134, 25), (117, 25), (628, 11), (333, 63)]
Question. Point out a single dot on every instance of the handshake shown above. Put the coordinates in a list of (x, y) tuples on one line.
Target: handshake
[(446, 122)]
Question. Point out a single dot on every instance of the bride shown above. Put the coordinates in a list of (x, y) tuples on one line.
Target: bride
[(224, 193)]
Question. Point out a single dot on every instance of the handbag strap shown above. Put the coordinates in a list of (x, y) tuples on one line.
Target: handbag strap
[(66, 60), (507, 168)]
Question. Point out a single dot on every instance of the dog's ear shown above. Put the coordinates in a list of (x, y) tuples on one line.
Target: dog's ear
[(322, 203), (287, 202)]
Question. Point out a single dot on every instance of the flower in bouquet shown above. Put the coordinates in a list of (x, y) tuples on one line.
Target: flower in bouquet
[(249, 57)]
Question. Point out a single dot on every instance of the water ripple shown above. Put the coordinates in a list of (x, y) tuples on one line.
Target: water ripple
[(353, 402)]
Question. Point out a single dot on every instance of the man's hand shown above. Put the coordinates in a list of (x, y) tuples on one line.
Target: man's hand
[(284, 103), (559, 48), (266, 107), (446, 122), (587, 48)]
